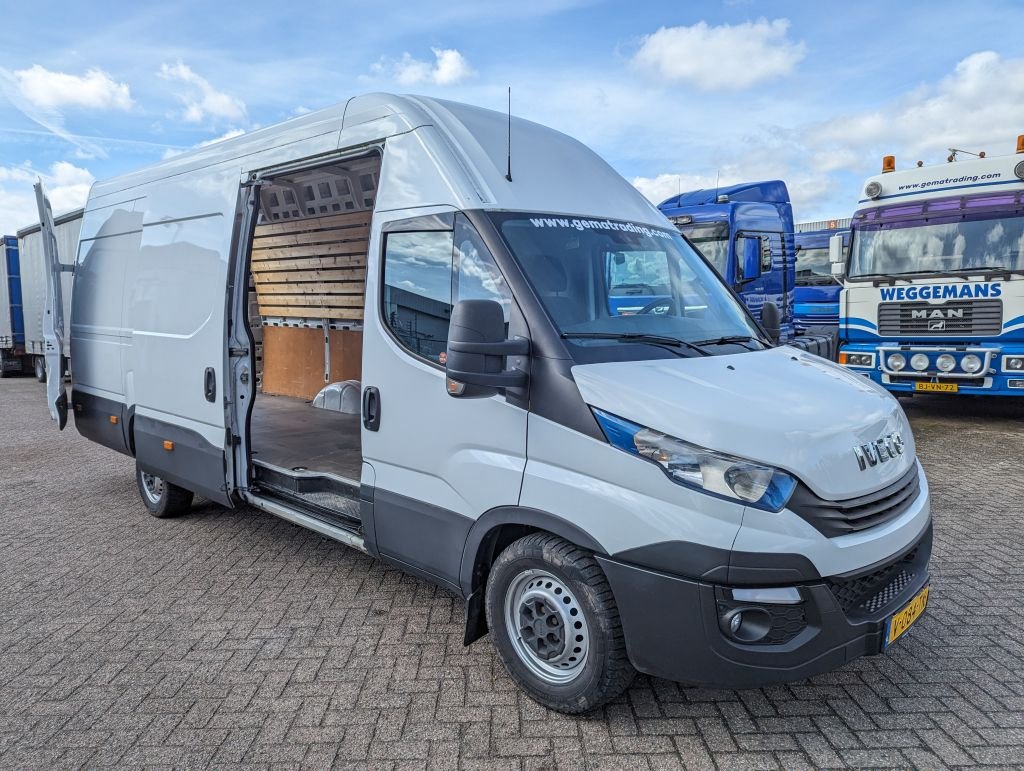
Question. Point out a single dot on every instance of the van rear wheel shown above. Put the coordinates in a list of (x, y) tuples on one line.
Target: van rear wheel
[(555, 624), (162, 498)]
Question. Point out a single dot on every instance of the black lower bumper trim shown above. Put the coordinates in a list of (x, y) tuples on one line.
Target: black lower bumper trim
[(673, 628)]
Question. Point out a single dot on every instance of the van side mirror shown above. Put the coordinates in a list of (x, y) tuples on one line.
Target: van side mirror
[(749, 252), (477, 348), (771, 320)]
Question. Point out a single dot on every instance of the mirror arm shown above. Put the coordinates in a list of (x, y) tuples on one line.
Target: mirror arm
[(515, 378), (519, 346)]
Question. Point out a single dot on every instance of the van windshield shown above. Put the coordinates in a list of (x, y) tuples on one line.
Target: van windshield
[(605, 282)]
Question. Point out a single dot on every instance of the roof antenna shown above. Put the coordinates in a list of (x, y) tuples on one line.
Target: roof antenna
[(508, 173), (718, 176)]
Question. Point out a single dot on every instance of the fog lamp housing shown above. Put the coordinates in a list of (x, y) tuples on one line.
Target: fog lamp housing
[(945, 362), (919, 362), (971, 363)]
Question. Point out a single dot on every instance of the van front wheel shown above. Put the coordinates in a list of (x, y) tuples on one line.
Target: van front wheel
[(162, 498), (556, 625)]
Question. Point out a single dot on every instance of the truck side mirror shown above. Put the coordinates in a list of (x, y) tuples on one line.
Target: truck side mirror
[(835, 249), (750, 257), (836, 256), (477, 347)]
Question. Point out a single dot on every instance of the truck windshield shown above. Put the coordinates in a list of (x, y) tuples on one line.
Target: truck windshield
[(605, 282), (813, 267), (923, 246), (712, 238)]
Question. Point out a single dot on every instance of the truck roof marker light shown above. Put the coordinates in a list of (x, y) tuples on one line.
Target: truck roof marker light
[(888, 164), (1020, 143)]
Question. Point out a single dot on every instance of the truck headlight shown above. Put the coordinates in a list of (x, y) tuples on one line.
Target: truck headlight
[(970, 363), (1015, 363), (945, 362), (896, 361), (919, 362), (699, 468)]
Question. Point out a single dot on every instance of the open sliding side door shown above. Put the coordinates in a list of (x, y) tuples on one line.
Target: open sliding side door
[(53, 316)]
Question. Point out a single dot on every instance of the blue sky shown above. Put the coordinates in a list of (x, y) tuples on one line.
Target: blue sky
[(673, 95)]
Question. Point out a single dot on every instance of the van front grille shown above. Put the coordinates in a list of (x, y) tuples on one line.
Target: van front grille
[(852, 515)]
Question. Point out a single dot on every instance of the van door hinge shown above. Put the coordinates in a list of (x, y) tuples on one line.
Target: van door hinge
[(238, 351)]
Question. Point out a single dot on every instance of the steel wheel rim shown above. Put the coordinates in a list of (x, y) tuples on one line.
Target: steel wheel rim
[(547, 626), (152, 487)]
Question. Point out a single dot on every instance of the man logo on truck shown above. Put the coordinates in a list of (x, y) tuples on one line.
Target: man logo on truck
[(938, 313)]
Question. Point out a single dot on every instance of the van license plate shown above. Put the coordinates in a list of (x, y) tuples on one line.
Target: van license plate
[(944, 387), (902, 621)]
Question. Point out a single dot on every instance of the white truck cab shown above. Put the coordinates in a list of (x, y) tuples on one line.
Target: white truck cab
[(372, 322)]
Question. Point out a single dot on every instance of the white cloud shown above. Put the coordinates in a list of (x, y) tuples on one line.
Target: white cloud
[(229, 134), (50, 90), (979, 106), (448, 68), (730, 56), (66, 185), (201, 101)]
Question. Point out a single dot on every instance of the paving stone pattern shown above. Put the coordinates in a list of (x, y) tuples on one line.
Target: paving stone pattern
[(231, 638)]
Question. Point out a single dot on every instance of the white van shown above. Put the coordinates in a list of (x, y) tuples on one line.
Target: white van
[(376, 322)]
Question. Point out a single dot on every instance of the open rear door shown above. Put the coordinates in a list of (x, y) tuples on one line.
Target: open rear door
[(53, 317)]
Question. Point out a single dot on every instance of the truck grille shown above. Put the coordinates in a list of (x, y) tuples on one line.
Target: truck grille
[(852, 515), (958, 317)]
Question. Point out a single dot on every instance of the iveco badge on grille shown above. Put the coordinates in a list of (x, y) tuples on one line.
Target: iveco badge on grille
[(879, 451)]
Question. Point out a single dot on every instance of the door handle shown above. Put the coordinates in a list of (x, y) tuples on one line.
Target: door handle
[(210, 384), (371, 408)]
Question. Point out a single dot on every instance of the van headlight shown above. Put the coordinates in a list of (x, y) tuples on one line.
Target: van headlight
[(699, 468)]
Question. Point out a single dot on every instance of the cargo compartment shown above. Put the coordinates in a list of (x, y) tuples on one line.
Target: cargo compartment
[(306, 296)]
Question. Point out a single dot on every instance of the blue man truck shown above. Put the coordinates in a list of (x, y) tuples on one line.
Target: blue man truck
[(816, 296), (933, 289), (746, 232)]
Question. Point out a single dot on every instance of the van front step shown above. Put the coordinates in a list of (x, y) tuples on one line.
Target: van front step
[(329, 499), (341, 533)]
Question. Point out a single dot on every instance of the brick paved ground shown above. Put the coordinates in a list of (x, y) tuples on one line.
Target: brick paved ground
[(233, 638)]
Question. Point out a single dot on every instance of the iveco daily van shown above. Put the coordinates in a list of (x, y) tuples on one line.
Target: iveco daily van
[(377, 322)]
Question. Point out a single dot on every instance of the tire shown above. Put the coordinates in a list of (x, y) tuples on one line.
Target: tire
[(562, 589), (39, 367), (162, 498)]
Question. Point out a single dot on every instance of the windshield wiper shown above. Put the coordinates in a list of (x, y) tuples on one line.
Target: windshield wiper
[(732, 339), (636, 337)]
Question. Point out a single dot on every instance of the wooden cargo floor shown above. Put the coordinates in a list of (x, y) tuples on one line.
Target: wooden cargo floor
[(289, 432)]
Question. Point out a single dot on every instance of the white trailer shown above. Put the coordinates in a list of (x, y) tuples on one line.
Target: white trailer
[(34, 277), (662, 491)]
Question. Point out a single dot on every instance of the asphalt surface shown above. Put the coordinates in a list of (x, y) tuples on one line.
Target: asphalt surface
[(232, 638)]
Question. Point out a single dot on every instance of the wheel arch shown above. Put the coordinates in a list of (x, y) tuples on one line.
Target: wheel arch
[(491, 533)]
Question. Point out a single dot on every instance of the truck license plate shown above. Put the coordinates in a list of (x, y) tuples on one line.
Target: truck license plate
[(945, 387), (902, 621)]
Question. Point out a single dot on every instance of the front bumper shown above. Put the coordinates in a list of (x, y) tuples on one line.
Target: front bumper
[(673, 625), (994, 379)]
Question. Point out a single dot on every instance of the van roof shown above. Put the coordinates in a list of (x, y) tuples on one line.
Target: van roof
[(461, 147)]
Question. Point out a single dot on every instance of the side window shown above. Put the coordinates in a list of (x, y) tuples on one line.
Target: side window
[(417, 290), (476, 277), (766, 254)]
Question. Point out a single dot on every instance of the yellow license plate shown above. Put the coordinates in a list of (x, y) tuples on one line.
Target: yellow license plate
[(944, 387), (903, 620)]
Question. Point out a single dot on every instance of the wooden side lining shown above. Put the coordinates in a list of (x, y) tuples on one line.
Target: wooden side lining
[(294, 359), (313, 267)]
